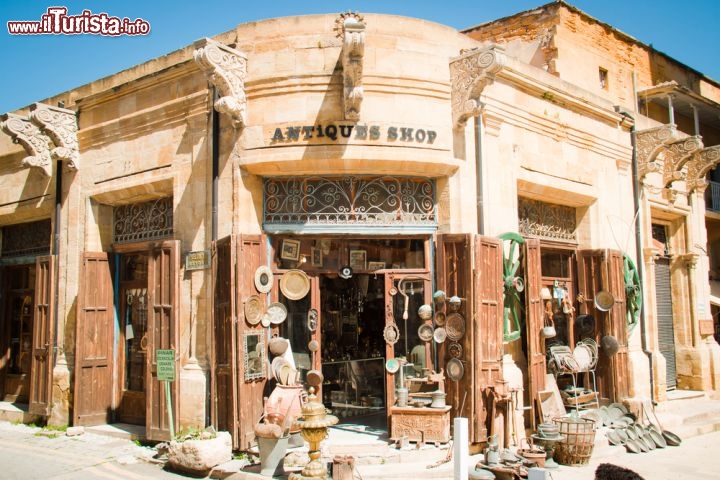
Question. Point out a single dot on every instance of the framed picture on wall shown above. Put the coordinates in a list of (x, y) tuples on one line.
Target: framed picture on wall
[(290, 250), (316, 257), (358, 259), (372, 266)]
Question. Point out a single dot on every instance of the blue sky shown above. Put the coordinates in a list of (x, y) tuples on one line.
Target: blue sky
[(37, 67)]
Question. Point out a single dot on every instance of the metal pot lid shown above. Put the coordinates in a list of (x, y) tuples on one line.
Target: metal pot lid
[(277, 312), (455, 369), (294, 284), (263, 279), (253, 309)]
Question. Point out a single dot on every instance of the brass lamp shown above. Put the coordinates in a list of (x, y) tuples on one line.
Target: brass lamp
[(313, 425)]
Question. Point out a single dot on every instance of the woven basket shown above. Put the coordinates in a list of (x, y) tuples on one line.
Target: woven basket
[(577, 447)]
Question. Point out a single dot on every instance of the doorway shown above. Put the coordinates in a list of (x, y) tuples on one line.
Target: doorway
[(17, 332)]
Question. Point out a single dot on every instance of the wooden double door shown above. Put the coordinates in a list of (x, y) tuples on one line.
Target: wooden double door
[(127, 310)]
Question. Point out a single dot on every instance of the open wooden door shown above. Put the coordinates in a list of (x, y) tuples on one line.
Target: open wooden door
[(603, 270), (250, 255), (94, 342), (533, 325), (163, 333), (40, 395), (224, 372)]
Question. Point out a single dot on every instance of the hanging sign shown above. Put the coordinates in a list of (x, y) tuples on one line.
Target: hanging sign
[(198, 260), (165, 360)]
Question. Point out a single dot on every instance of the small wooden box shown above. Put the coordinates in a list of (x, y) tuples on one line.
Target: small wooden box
[(420, 424)]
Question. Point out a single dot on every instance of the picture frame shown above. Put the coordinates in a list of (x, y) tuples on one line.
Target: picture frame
[(548, 406), (316, 257), (372, 266), (358, 259), (290, 250)]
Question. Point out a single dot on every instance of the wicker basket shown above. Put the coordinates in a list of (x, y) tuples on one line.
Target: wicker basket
[(577, 447)]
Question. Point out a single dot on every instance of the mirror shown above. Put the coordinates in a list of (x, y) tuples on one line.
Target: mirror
[(254, 358)]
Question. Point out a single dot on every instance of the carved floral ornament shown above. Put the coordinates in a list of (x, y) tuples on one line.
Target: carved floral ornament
[(226, 69), (47, 133), (351, 28), (470, 73), (677, 156)]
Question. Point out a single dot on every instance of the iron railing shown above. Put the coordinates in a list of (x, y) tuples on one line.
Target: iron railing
[(712, 197)]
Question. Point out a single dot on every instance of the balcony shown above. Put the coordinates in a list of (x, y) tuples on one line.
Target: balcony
[(712, 197)]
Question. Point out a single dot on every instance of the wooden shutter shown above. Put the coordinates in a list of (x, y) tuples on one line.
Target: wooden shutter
[(41, 366), (250, 255), (94, 342), (163, 288), (533, 323), (487, 330), (224, 372), (617, 326)]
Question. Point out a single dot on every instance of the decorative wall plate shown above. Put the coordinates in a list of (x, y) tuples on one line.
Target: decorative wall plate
[(439, 335), (425, 332), (277, 312), (455, 326), (263, 279), (253, 309), (265, 320), (455, 369), (294, 284), (604, 300), (391, 334), (392, 365), (455, 350), (440, 319)]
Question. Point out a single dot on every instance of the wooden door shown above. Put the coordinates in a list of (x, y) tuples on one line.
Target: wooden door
[(163, 333), (43, 338), (533, 325), (617, 327), (224, 372), (94, 342), (250, 255), (487, 328)]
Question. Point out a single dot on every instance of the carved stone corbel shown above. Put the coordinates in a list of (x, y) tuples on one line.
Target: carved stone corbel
[(60, 124), (33, 140), (352, 29), (226, 68), (650, 143), (676, 156), (470, 73), (699, 165)]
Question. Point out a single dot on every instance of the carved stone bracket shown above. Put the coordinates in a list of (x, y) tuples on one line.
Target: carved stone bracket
[(35, 142), (650, 143), (699, 166), (676, 156), (226, 68), (352, 29), (470, 73), (60, 124)]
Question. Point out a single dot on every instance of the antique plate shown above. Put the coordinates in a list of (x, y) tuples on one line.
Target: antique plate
[(253, 309), (455, 369), (583, 357), (425, 332), (391, 334), (439, 335), (440, 319), (455, 326), (392, 365), (455, 350), (294, 284), (277, 312), (604, 300), (263, 279)]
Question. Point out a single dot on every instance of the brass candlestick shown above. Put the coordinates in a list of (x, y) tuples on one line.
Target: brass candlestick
[(313, 425)]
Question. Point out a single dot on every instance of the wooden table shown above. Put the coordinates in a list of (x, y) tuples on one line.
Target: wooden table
[(420, 424)]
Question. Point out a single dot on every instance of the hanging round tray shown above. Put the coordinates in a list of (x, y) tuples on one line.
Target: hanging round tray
[(277, 313), (455, 326), (253, 309), (263, 279), (425, 332), (440, 319), (439, 335), (455, 369), (391, 334), (604, 300), (294, 284), (455, 350)]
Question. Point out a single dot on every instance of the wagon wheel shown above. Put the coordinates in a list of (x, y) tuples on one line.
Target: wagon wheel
[(512, 302), (633, 293)]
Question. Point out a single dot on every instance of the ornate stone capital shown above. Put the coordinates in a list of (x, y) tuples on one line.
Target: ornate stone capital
[(649, 143), (351, 27), (699, 166), (226, 68), (689, 260), (60, 124), (35, 142), (470, 73), (677, 154)]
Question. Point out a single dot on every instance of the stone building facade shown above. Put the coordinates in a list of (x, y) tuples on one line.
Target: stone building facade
[(344, 170)]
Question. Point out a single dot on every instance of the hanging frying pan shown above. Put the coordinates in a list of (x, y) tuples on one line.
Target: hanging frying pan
[(455, 369)]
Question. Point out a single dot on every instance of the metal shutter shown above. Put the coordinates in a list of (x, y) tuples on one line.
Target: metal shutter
[(666, 332)]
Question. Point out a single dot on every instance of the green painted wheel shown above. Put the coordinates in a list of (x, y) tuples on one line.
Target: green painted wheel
[(512, 301)]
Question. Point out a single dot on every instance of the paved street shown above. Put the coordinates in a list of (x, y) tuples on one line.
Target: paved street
[(30, 453)]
